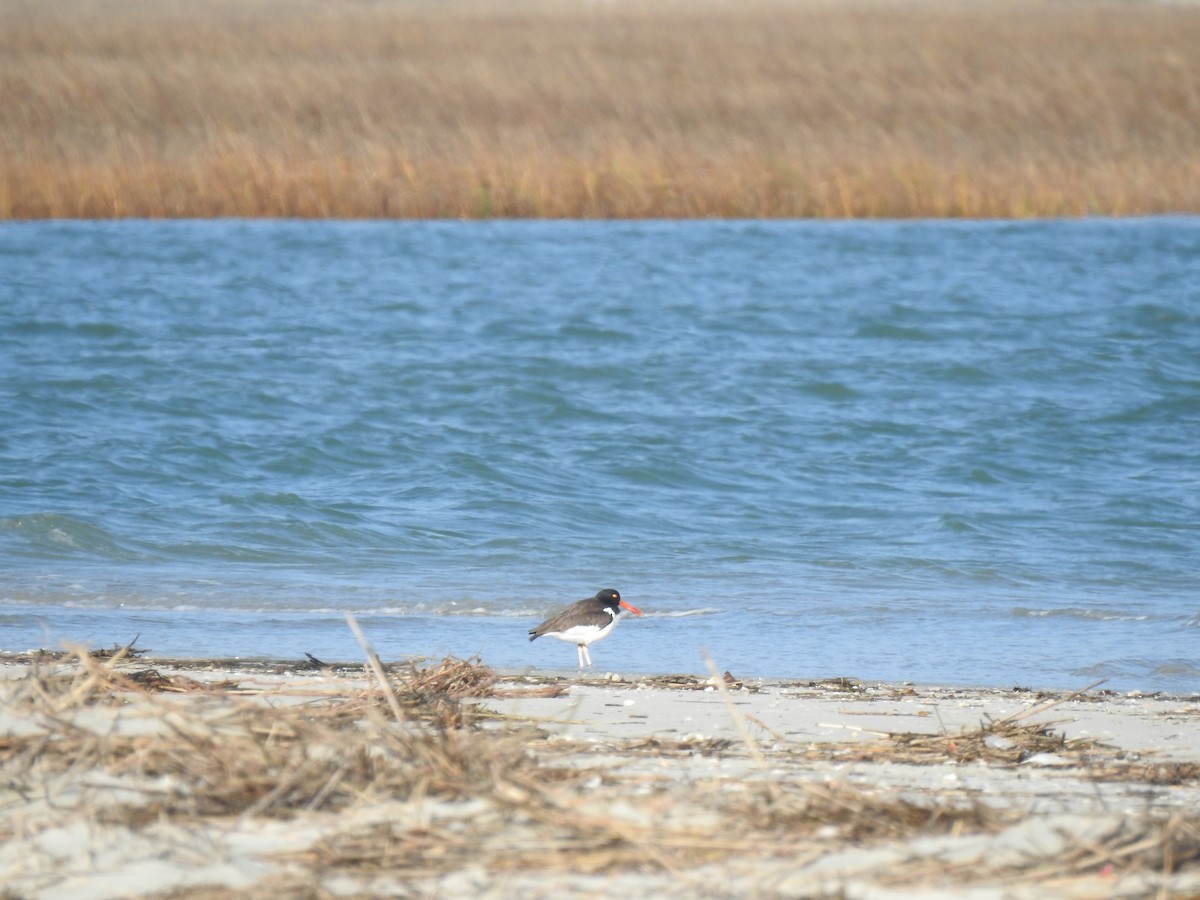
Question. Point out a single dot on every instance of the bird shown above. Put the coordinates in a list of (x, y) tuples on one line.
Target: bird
[(584, 622)]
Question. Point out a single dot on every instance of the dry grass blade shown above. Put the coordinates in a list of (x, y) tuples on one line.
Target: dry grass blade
[(1004, 742), (664, 747), (1155, 846), (455, 678), (255, 760), (91, 682), (739, 721), (859, 816), (1050, 704), (376, 668)]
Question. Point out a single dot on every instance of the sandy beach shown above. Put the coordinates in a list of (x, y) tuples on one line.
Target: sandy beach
[(156, 777)]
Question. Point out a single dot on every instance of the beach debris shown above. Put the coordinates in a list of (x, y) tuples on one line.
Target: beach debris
[(688, 745), (1047, 759), (995, 743), (844, 813), (841, 683), (733, 684), (538, 692), (355, 796), (154, 680), (118, 651), (452, 677), (676, 682), (1006, 741), (693, 683), (1150, 773)]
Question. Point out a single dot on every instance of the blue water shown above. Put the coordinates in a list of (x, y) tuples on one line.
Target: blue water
[(935, 452)]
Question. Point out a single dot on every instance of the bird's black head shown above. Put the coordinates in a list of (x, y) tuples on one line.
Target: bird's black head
[(610, 599)]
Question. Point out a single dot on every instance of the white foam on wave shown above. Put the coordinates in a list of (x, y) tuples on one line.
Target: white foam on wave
[(1075, 612)]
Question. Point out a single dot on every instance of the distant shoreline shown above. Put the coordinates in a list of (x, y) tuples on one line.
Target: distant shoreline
[(536, 109)]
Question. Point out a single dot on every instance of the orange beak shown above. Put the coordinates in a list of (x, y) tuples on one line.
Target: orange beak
[(634, 610)]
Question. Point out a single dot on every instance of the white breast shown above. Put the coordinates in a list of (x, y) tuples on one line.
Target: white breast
[(583, 634)]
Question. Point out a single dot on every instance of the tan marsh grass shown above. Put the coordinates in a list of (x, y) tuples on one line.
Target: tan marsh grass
[(683, 108)]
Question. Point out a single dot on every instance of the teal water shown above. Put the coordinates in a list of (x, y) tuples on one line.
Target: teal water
[(936, 452)]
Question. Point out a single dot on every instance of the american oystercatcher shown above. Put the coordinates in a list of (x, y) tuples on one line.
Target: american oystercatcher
[(584, 622)]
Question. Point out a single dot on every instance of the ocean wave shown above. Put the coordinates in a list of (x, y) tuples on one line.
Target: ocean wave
[(1176, 668), (1075, 612), (1176, 671), (683, 613), (55, 535), (223, 603)]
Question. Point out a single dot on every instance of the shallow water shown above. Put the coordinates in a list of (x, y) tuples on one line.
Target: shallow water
[(955, 452)]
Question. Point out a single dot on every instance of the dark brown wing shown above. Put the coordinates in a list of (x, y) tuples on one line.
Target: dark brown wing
[(585, 612)]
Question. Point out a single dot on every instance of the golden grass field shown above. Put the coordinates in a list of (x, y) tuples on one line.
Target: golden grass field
[(598, 108)]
